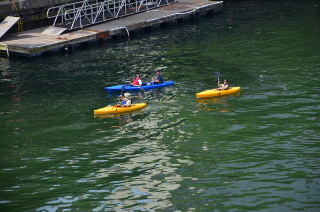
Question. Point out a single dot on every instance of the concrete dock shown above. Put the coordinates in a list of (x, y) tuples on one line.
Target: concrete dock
[(33, 43)]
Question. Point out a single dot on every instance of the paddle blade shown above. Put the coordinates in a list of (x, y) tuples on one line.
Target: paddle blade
[(123, 89), (218, 74)]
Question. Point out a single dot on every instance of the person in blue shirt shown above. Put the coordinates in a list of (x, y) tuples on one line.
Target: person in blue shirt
[(158, 78)]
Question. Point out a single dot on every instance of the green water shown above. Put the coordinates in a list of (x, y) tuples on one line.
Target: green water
[(257, 150)]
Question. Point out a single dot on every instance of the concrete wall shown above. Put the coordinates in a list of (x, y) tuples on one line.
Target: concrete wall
[(33, 13)]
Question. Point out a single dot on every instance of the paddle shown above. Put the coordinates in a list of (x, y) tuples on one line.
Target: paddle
[(123, 89), (124, 79), (218, 76), (151, 76), (152, 71)]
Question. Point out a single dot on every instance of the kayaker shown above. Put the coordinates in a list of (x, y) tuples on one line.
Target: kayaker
[(158, 78), (137, 81), (125, 100), (224, 86)]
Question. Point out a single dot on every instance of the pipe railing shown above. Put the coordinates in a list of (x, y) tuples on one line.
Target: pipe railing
[(88, 12), (2, 44)]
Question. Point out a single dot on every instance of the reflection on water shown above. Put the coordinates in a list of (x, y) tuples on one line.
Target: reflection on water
[(148, 190), (4, 64), (137, 176), (122, 118), (220, 104)]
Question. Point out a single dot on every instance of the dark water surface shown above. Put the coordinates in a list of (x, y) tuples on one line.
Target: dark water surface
[(257, 150)]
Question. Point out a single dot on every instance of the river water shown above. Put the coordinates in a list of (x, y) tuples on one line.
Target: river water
[(257, 150)]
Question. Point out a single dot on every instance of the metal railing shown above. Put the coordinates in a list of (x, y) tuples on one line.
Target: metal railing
[(88, 12)]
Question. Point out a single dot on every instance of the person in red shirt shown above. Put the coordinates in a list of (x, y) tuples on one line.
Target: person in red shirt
[(137, 81)]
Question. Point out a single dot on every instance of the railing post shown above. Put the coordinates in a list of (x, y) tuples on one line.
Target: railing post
[(6, 48)]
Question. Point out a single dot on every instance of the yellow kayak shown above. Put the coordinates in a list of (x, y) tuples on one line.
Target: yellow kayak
[(116, 109), (216, 92)]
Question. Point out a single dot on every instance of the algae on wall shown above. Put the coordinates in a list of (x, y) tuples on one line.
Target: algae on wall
[(33, 13)]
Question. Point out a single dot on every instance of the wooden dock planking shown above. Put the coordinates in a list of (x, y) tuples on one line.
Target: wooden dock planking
[(32, 43)]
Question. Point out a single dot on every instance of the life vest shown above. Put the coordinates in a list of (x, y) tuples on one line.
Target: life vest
[(136, 81), (124, 102)]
